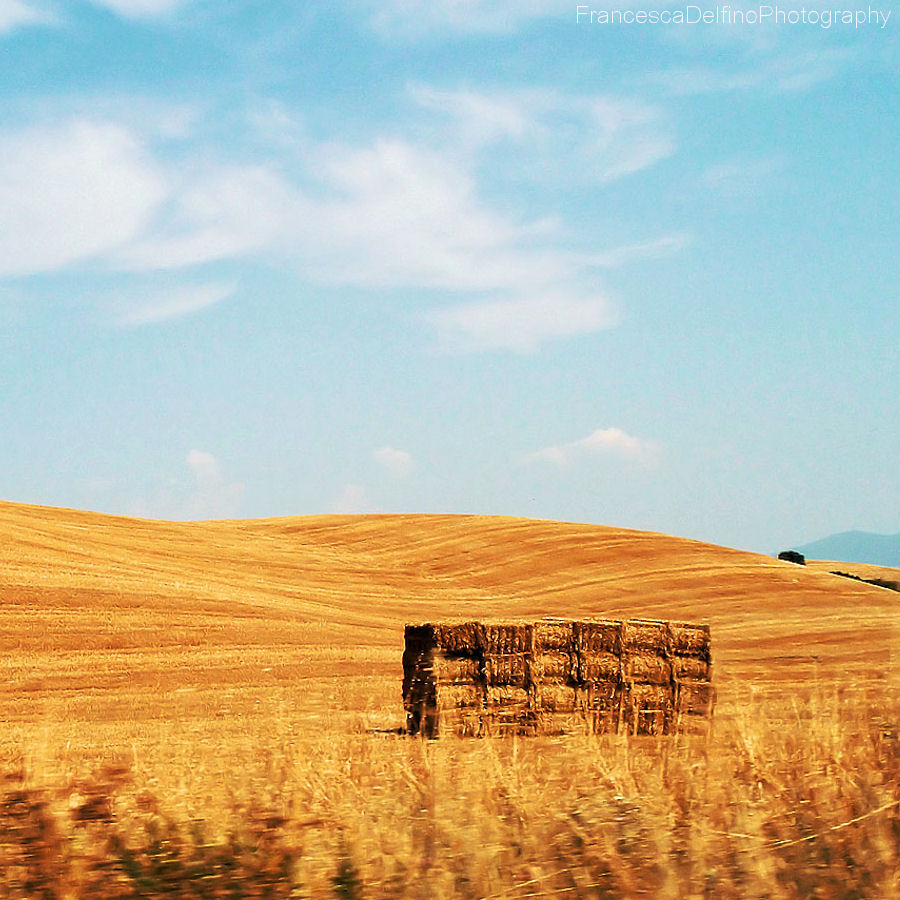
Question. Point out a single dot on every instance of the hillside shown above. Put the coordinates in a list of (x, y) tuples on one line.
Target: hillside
[(124, 623)]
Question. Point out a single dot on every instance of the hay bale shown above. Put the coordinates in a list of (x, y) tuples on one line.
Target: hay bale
[(648, 669), (598, 636), (461, 638), (553, 635), (562, 723), (553, 665), (507, 696), (461, 722), (690, 668), (600, 704), (507, 668), (457, 669), (598, 666), (461, 696), (648, 708), (509, 710), (686, 639), (505, 639), (548, 697), (645, 636)]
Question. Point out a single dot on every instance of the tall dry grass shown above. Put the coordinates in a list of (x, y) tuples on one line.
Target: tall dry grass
[(782, 802)]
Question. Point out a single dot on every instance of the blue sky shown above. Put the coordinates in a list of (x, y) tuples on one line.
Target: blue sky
[(456, 256)]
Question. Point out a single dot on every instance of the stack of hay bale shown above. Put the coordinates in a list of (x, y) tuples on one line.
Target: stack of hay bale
[(557, 676)]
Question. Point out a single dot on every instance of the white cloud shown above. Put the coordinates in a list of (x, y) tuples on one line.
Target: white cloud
[(211, 496), (481, 118), (398, 462), (71, 192), (521, 323), (556, 136), (778, 69), (135, 9), (390, 215), (602, 441), (352, 499), (222, 213), (173, 303), (398, 215), (15, 13), (411, 18), (204, 466)]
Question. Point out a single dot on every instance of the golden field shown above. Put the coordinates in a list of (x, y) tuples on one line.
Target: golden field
[(234, 674)]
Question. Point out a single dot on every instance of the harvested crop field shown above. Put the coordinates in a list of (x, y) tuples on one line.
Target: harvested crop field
[(239, 665), (132, 625)]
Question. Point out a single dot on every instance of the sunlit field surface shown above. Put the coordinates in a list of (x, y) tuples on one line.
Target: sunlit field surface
[(205, 709)]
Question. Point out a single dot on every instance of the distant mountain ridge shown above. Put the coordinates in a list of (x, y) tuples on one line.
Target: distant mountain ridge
[(857, 547)]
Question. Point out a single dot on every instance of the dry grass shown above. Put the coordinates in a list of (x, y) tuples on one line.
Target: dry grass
[(795, 802)]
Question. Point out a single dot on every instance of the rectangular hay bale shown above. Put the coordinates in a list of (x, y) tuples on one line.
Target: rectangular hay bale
[(462, 638), (601, 706), (507, 695), (451, 669), (687, 639), (648, 708), (507, 668), (503, 639), (548, 697), (553, 665), (690, 668), (598, 636), (648, 669), (598, 666), (460, 696), (509, 710), (561, 723), (553, 635), (645, 636)]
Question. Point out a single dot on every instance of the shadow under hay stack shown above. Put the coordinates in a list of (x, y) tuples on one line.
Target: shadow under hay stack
[(557, 676)]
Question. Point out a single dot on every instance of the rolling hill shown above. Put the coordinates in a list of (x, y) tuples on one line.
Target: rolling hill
[(114, 629)]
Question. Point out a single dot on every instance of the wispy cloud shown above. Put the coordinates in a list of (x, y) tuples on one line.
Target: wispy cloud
[(522, 323), (352, 499), (398, 462), (71, 192), (603, 441), (202, 490), (211, 496), (388, 213), (392, 214), (173, 303), (584, 138), (778, 70), (16, 13), (220, 213)]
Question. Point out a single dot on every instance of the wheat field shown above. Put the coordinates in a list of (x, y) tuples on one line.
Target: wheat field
[(204, 709)]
